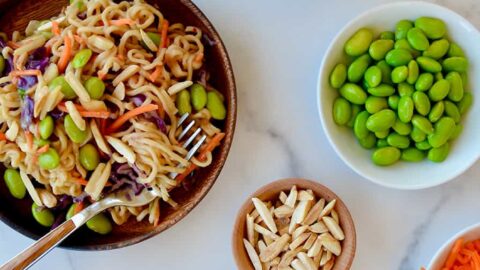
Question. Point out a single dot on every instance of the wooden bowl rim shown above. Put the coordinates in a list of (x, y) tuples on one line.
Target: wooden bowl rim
[(223, 154), (239, 253)]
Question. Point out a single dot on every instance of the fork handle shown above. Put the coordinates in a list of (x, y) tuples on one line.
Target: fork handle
[(41, 247)]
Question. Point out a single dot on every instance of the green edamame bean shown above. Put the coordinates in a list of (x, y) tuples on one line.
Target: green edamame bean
[(183, 102), (74, 133), (455, 63), (380, 48), (42, 215), (398, 57), (465, 103), (399, 74), (405, 89), (443, 131), (45, 127), (393, 102), (387, 35), (14, 183), (81, 58), (438, 76), (95, 87), (417, 39), (403, 44), (412, 155), (386, 156), (383, 90), (439, 154), (89, 157), (155, 38), (71, 211), (356, 109), (439, 90), (437, 49), (452, 110), (199, 96), (456, 86), (215, 106), (360, 126), (464, 79), (422, 123), (405, 109), (49, 160), (428, 64), (423, 145), (421, 102), (380, 121), (338, 76), (397, 140), (436, 112), (401, 29), (2, 64), (386, 71), (357, 68), (66, 89), (373, 76), (455, 50), (382, 143), (432, 27), (456, 133), (368, 142), (413, 72), (80, 5), (375, 104), (417, 135), (360, 41), (402, 128), (342, 111), (424, 82), (353, 93), (382, 134), (100, 224)]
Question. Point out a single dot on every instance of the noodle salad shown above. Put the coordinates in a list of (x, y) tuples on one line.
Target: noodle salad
[(89, 104)]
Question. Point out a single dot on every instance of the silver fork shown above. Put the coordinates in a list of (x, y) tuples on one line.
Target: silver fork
[(121, 198)]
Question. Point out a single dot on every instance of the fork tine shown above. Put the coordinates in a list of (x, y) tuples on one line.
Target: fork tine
[(187, 128), (190, 140), (195, 147), (182, 119)]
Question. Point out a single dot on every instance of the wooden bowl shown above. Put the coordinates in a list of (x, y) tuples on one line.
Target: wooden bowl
[(271, 192), (15, 15)]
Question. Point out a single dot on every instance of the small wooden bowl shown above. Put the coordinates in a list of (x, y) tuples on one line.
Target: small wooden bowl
[(271, 192), (15, 15)]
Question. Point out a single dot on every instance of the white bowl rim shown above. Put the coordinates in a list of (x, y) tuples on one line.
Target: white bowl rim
[(319, 91), (450, 241)]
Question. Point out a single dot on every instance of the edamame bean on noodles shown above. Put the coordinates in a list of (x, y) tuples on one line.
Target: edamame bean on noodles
[(89, 104)]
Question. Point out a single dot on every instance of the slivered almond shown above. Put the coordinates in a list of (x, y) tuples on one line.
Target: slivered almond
[(304, 195), (329, 265), (299, 240), (283, 211), (263, 231), (318, 227), (292, 197), (47, 198), (77, 87), (326, 257), (12, 131), (301, 211), (265, 214), (288, 256), (100, 42), (334, 228), (119, 92), (261, 245), (254, 214), (252, 254), (298, 231), (275, 248), (318, 257), (148, 41), (307, 261), (315, 248), (76, 117), (298, 265), (310, 241), (99, 137), (30, 188), (282, 197), (284, 267), (331, 244), (314, 213), (334, 215), (326, 211), (267, 239), (174, 89), (122, 148), (250, 230)]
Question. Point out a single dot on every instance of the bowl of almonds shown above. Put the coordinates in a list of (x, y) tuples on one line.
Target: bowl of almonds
[(294, 224)]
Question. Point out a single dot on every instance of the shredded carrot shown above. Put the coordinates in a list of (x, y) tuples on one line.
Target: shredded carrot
[(103, 126), (2, 136), (79, 39), (164, 34), (130, 114), (463, 256), (81, 181), (28, 72), (43, 149), (121, 22), (101, 75), (29, 138), (79, 207), (66, 55), (454, 253), (84, 112), (56, 28), (161, 111), (155, 74)]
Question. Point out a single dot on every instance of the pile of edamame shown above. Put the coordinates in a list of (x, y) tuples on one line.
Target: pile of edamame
[(403, 93), (198, 98)]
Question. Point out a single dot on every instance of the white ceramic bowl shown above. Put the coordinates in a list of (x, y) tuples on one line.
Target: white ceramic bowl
[(468, 234), (465, 150)]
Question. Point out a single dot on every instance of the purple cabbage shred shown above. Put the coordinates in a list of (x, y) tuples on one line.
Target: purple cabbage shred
[(26, 116)]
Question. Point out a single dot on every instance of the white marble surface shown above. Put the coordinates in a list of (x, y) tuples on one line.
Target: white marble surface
[(276, 48)]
